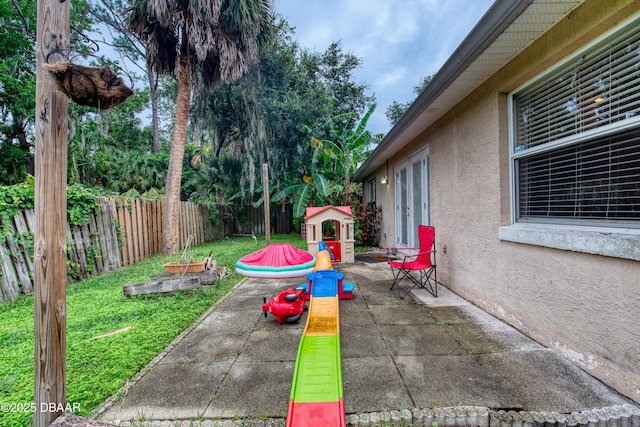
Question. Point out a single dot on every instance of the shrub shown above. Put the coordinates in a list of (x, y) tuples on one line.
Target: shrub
[(368, 224)]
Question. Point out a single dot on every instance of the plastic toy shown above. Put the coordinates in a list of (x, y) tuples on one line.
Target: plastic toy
[(316, 397), (339, 238), (323, 261), (287, 306), (277, 260), (322, 246)]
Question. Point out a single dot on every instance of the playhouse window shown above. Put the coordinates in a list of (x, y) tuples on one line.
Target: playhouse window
[(331, 230), (311, 229)]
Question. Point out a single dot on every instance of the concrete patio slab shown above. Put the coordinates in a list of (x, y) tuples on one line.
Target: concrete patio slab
[(399, 356), (271, 345), (451, 380), (172, 391), (253, 390), (373, 384), (360, 340)]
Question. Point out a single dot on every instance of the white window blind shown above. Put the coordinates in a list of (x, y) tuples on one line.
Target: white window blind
[(597, 181), (576, 148), (599, 88)]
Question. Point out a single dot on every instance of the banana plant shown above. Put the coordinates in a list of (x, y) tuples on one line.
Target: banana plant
[(347, 147), (333, 161), (315, 186)]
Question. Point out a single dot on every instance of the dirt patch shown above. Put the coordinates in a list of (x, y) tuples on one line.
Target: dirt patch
[(371, 257)]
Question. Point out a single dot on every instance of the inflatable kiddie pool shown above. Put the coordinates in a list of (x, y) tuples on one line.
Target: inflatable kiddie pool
[(277, 260)]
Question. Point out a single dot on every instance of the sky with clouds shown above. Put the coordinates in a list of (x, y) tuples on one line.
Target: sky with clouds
[(398, 41)]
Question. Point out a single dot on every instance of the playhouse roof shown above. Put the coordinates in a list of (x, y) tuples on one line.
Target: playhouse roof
[(311, 212)]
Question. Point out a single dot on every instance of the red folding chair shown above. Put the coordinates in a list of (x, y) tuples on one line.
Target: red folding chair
[(420, 262)]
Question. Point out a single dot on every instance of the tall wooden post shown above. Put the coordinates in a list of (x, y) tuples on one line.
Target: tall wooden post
[(267, 203), (50, 304)]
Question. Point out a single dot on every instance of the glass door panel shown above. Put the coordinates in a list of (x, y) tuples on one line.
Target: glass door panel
[(416, 200), (412, 199), (402, 207)]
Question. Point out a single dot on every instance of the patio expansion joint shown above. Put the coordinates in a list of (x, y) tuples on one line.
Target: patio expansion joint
[(235, 359), (395, 364)]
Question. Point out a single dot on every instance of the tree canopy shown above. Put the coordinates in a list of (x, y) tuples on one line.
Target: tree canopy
[(267, 115), (396, 109), (271, 114), (17, 89)]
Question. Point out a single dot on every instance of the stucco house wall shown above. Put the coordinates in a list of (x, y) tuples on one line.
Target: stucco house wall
[(584, 306)]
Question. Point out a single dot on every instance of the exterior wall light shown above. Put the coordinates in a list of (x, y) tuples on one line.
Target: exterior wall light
[(384, 180)]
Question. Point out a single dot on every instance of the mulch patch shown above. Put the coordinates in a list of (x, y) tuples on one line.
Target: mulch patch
[(371, 257)]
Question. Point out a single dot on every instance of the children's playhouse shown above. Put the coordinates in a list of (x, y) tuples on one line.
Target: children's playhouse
[(332, 225)]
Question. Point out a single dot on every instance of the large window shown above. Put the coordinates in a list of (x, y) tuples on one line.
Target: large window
[(576, 138)]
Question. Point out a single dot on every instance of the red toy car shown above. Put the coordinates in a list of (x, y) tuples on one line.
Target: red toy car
[(287, 306)]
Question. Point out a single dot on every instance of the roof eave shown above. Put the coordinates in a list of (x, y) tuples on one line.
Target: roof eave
[(499, 16)]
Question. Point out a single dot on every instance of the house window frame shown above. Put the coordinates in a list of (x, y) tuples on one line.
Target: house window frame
[(602, 239), (373, 190)]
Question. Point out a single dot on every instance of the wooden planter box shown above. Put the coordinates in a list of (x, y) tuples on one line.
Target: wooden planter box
[(191, 267)]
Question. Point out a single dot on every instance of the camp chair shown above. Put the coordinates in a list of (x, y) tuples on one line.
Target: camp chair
[(420, 262)]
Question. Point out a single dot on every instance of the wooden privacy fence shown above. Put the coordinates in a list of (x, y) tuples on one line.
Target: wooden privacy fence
[(92, 249), (121, 232), (252, 219), (141, 226)]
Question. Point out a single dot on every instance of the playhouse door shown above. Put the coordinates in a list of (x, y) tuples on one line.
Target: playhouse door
[(336, 249), (412, 199)]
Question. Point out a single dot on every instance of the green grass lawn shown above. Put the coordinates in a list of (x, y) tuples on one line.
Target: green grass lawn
[(110, 338)]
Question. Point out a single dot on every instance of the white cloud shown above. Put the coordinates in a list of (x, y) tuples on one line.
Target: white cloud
[(399, 42), (389, 78)]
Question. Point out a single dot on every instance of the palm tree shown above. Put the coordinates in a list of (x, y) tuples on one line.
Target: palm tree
[(214, 39)]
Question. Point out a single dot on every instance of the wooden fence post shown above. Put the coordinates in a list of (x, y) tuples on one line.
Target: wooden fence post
[(50, 260), (267, 213)]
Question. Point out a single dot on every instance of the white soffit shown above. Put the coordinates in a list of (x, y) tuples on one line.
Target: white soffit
[(538, 18)]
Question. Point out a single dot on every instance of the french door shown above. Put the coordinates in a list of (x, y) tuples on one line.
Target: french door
[(412, 198)]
